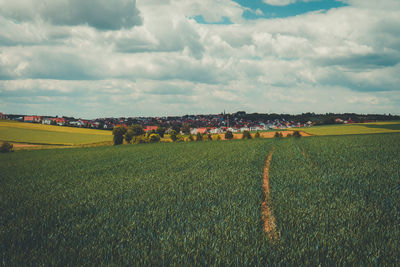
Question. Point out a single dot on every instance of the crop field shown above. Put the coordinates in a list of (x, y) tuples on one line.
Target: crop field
[(334, 199), (48, 134), (337, 199), (359, 128)]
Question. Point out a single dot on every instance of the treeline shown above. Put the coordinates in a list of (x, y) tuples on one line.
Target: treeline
[(135, 134)]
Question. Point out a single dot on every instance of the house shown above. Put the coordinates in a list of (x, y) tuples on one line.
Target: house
[(255, 128), (32, 118), (3, 116), (76, 123), (46, 121), (59, 121), (202, 130), (215, 131)]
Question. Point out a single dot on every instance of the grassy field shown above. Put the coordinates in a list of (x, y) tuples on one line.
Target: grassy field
[(357, 128), (47, 134), (185, 203), (335, 199)]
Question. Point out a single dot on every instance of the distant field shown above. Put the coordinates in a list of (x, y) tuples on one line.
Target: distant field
[(336, 201), (48, 134), (344, 129)]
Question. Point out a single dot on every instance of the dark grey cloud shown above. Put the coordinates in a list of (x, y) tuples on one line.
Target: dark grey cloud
[(100, 14), (366, 61), (375, 80)]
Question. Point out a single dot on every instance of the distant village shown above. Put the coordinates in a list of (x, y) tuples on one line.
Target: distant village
[(214, 123)]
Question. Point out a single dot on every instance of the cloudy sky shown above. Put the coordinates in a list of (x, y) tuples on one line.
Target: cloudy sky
[(97, 58)]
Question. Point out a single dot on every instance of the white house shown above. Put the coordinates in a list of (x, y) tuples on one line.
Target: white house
[(46, 121)]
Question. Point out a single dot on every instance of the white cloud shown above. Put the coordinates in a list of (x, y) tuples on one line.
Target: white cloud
[(344, 60), (100, 14)]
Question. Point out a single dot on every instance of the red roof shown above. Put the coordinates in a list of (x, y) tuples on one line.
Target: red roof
[(202, 130), (150, 128), (32, 118)]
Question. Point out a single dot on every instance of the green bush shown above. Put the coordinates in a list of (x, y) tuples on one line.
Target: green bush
[(257, 135), (129, 136), (296, 134), (179, 138), (6, 147), (191, 138), (173, 136), (154, 138), (141, 139), (246, 135), (118, 133), (209, 137), (278, 135), (199, 137), (228, 135), (218, 137)]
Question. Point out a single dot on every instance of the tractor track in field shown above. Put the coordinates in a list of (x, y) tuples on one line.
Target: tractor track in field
[(267, 216), (308, 158)]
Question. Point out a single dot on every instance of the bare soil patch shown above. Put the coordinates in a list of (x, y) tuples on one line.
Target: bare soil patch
[(268, 218)]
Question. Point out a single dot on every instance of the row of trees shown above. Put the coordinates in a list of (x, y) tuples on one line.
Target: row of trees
[(135, 134)]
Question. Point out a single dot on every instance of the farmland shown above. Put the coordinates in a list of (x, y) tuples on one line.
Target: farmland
[(50, 135), (335, 200), (157, 204), (359, 128)]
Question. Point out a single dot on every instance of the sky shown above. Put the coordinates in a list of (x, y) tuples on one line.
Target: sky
[(101, 58)]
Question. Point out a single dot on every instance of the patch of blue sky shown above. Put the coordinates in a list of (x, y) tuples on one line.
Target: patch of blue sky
[(224, 21), (294, 9)]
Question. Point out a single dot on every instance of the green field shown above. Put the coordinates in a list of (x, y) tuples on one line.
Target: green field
[(47, 134), (357, 128), (199, 203)]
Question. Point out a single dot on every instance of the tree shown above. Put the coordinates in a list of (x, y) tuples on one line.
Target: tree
[(176, 128), (191, 138), (257, 135), (199, 137), (118, 133), (297, 134), (186, 128), (228, 135), (246, 135), (101, 125), (129, 136), (6, 147), (137, 129), (328, 120), (154, 138), (173, 136), (179, 138), (160, 131)]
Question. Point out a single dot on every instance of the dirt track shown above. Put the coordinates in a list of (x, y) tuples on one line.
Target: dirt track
[(268, 218)]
